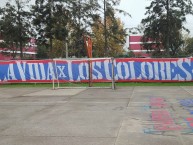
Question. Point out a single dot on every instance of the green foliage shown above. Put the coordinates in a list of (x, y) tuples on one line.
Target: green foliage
[(71, 20), (131, 54), (116, 38), (58, 21), (42, 52), (164, 24), (15, 25), (62, 20), (189, 46)]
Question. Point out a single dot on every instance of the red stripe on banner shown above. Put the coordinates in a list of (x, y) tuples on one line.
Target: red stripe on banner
[(38, 61), (61, 61), (149, 59), (27, 81), (86, 81), (50, 81), (7, 62), (80, 61), (151, 81), (22, 61)]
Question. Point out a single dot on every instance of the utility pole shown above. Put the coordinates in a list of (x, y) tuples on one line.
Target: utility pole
[(79, 28), (51, 14), (66, 42), (105, 30), (168, 29)]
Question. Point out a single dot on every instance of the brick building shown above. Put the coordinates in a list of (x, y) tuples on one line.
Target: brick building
[(29, 51), (136, 47)]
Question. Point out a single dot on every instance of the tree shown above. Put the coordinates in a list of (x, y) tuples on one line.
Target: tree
[(109, 11), (70, 20), (83, 14), (116, 38), (164, 25), (137, 30), (108, 33), (42, 20), (62, 19), (15, 26), (189, 46), (42, 52)]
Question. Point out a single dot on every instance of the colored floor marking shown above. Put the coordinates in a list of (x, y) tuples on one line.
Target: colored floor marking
[(164, 121), (190, 122), (157, 102), (187, 102)]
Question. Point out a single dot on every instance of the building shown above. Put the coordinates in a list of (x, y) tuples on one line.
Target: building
[(135, 46), (29, 51)]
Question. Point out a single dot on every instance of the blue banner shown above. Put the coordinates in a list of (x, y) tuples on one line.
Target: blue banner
[(100, 70), (161, 70)]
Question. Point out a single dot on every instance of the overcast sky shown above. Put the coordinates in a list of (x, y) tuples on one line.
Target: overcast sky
[(137, 9)]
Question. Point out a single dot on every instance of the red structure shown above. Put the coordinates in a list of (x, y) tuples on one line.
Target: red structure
[(29, 51), (88, 44), (136, 47)]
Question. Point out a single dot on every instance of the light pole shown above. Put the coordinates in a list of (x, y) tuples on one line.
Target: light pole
[(50, 25), (168, 29), (66, 48), (105, 30)]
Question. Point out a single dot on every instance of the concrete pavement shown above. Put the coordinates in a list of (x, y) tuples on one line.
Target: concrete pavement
[(125, 116)]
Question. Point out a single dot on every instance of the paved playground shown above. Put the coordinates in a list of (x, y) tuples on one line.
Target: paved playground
[(125, 116)]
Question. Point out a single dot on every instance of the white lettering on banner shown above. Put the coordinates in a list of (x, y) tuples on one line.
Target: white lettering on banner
[(156, 70), (150, 67), (120, 70), (50, 72), (42, 70), (5, 79), (168, 71), (173, 70), (33, 68), (146, 75), (31, 72), (132, 69), (116, 74), (82, 67), (177, 70), (107, 69), (70, 70), (37, 73), (22, 70), (126, 67), (10, 73), (162, 70), (98, 73), (61, 71), (188, 74)]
